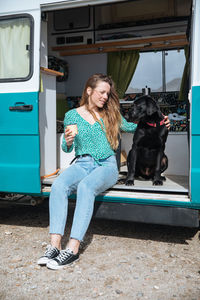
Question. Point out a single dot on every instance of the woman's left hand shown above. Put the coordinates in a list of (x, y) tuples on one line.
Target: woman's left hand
[(167, 122)]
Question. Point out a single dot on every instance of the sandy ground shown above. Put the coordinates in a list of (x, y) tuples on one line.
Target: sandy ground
[(119, 260)]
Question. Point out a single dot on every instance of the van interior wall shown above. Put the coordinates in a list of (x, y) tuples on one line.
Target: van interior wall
[(177, 151), (81, 67)]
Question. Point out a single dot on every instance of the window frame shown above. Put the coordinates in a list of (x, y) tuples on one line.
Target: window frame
[(31, 60), (163, 68)]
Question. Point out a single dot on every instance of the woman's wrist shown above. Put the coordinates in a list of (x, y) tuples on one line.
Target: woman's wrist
[(69, 145)]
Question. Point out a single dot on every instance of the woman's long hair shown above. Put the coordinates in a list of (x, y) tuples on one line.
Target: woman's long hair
[(110, 113)]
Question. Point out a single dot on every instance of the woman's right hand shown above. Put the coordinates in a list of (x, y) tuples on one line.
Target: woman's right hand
[(69, 136)]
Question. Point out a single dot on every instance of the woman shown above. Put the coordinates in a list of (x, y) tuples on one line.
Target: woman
[(95, 169)]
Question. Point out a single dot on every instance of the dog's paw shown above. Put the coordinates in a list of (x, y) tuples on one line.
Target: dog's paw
[(129, 182), (163, 178), (157, 182)]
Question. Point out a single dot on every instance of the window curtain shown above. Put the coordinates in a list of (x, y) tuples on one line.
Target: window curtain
[(14, 39), (121, 67), (184, 88)]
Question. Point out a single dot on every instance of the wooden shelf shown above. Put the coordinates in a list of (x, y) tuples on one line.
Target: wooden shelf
[(51, 72), (148, 43)]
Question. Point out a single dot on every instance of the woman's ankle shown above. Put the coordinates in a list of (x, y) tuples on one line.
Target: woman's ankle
[(73, 245), (56, 240)]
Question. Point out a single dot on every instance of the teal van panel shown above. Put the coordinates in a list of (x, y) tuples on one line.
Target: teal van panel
[(20, 144), (195, 146), (195, 125), (19, 164), (19, 122)]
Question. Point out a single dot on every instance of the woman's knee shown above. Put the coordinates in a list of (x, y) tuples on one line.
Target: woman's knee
[(85, 189), (59, 186)]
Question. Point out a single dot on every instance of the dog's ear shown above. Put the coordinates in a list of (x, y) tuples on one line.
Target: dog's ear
[(152, 106)]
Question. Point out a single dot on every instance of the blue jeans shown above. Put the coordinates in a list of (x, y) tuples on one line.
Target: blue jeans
[(88, 179)]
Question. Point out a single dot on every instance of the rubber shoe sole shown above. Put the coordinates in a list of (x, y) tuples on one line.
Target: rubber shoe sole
[(53, 265), (42, 261)]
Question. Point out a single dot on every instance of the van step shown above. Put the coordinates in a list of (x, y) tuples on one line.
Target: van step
[(173, 184), (127, 194)]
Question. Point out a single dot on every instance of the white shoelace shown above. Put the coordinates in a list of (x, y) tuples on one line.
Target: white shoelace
[(49, 250), (64, 254)]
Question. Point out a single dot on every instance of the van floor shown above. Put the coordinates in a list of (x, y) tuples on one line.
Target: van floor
[(173, 184)]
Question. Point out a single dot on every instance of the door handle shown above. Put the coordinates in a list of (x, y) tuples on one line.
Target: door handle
[(24, 107)]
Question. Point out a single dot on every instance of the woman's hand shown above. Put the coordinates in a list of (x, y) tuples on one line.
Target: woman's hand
[(69, 136), (167, 122)]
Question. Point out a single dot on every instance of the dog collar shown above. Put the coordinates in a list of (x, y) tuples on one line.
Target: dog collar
[(155, 124)]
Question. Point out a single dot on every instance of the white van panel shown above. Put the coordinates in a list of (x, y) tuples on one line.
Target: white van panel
[(11, 7), (18, 6), (48, 5), (32, 85)]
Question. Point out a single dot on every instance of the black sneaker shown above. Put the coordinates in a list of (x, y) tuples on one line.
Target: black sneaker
[(66, 257), (51, 252)]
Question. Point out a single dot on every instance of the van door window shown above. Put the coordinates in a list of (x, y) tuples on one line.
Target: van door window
[(15, 48)]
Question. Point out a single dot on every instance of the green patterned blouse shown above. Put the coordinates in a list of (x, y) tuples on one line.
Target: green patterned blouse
[(91, 139)]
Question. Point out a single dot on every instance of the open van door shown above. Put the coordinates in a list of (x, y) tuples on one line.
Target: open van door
[(19, 94)]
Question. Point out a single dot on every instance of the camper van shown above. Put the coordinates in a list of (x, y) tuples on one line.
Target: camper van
[(47, 51)]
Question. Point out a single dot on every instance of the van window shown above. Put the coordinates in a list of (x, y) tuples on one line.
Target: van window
[(15, 48), (174, 66), (161, 71)]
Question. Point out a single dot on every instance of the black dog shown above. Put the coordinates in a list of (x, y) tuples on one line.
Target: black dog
[(147, 158)]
